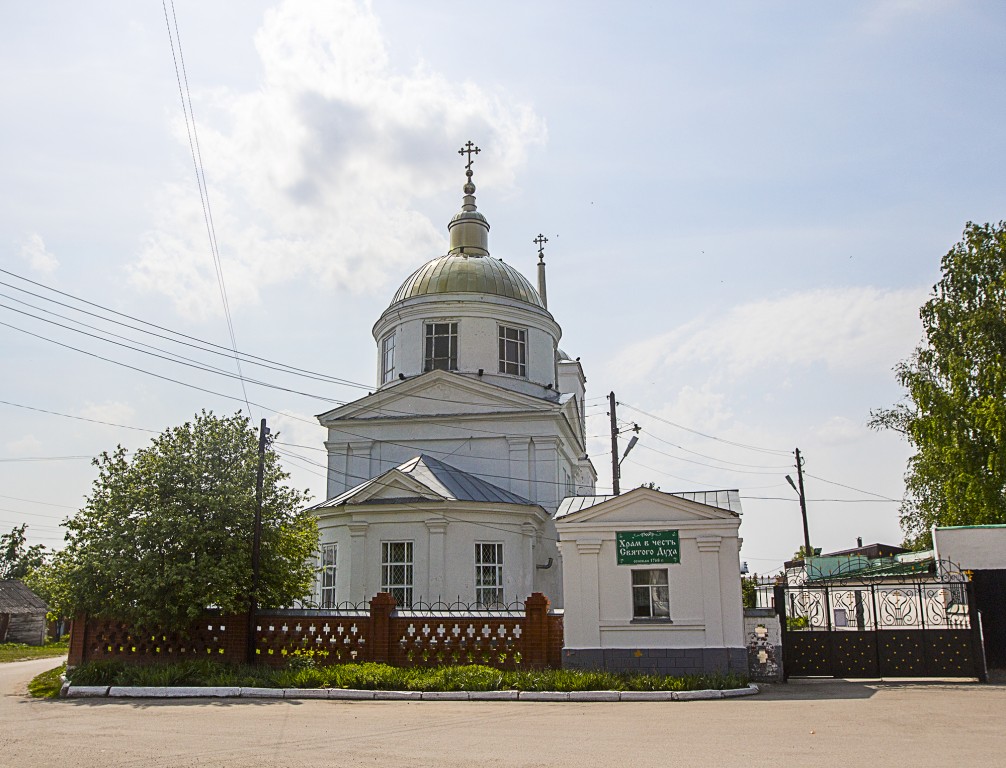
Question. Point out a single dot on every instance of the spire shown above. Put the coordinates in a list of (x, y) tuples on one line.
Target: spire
[(540, 242), (469, 229)]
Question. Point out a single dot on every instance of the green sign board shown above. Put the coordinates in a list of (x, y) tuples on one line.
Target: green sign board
[(648, 547)]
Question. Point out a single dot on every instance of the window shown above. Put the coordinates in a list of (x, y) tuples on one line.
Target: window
[(396, 571), (650, 594), (488, 574), (441, 347), (328, 560), (387, 358), (512, 358)]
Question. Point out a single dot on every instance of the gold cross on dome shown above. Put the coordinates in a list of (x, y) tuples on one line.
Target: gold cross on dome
[(469, 149)]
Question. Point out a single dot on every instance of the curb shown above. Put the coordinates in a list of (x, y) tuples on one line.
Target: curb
[(351, 694)]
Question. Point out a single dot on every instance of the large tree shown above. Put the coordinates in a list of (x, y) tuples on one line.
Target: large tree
[(17, 558), (168, 533), (954, 413)]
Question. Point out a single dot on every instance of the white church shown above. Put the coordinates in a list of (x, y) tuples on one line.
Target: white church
[(444, 482)]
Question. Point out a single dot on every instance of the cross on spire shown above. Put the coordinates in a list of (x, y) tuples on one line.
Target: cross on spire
[(540, 242), (469, 149)]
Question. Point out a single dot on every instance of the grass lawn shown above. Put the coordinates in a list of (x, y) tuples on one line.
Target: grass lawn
[(22, 652), (304, 674), (47, 685)]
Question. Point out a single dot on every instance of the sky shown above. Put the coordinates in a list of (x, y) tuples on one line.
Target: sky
[(746, 204)]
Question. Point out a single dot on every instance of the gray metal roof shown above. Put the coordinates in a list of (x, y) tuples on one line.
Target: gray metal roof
[(441, 479), (16, 598), (727, 500)]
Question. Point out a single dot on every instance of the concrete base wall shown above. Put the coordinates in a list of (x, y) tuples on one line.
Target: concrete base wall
[(764, 639), (663, 661)]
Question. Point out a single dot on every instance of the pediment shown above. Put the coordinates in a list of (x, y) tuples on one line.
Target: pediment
[(645, 504), (433, 393), (394, 485)]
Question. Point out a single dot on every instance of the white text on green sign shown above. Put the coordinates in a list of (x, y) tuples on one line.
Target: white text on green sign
[(648, 547)]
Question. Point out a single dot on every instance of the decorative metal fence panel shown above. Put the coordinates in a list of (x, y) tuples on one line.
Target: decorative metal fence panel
[(911, 626)]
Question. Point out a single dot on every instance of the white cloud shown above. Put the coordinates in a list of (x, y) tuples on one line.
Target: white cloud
[(841, 328), (114, 412), (29, 445), (321, 169), (838, 430), (883, 16), (33, 251)]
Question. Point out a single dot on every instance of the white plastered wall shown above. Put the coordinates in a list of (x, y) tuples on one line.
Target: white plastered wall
[(705, 593)]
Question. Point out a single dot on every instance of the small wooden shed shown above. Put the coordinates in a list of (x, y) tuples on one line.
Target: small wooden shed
[(22, 614)]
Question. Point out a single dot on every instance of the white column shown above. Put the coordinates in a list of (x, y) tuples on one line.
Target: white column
[(437, 527), (358, 463), (338, 456), (547, 478), (525, 583), (358, 587), (588, 604), (712, 602), (518, 449)]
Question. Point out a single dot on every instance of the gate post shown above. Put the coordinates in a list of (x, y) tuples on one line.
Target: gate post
[(977, 644), (381, 607), (536, 631), (78, 641), (779, 596)]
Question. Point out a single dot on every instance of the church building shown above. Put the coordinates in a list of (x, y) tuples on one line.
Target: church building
[(444, 482)]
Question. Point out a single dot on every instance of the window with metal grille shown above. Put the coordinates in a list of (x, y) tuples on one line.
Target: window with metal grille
[(328, 564), (441, 347), (650, 594), (396, 571), (512, 351), (488, 574), (387, 358)]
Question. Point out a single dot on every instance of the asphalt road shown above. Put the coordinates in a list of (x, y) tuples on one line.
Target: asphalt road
[(828, 723)]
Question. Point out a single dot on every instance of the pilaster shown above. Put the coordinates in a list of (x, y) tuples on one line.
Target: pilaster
[(712, 604)]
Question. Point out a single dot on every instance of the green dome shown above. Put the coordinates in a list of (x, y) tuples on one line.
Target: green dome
[(468, 273)]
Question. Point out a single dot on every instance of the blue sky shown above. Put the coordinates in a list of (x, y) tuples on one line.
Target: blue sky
[(745, 202)]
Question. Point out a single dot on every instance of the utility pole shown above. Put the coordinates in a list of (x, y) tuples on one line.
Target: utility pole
[(808, 552), (614, 444), (263, 441)]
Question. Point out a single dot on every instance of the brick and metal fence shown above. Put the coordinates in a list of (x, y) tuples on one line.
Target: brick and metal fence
[(377, 632)]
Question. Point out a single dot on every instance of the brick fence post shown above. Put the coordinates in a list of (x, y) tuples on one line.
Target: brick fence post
[(536, 631), (235, 640), (382, 605), (78, 633)]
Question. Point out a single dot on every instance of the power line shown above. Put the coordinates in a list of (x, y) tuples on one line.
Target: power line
[(246, 357), (851, 488), (712, 458), (78, 418), (204, 194), (46, 458), (705, 435)]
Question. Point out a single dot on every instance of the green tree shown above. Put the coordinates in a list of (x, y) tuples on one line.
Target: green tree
[(954, 413), (168, 533), (749, 591), (17, 559)]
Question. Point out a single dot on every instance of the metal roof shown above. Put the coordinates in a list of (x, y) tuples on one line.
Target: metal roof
[(727, 500), (441, 479), (16, 598), (468, 273)]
